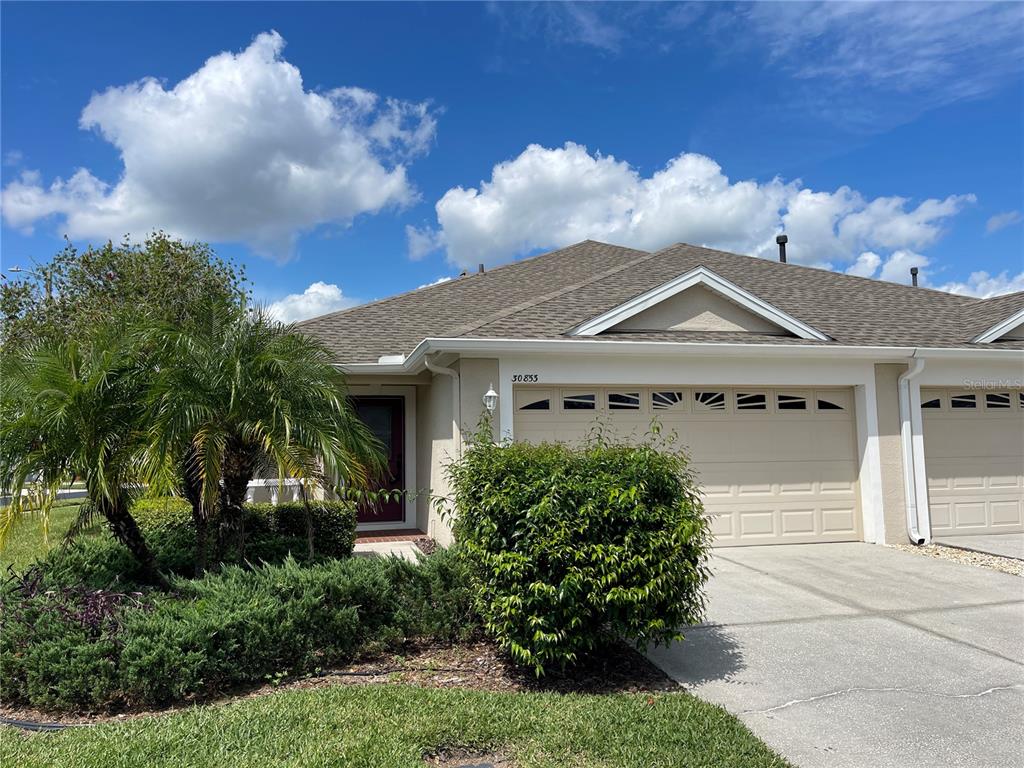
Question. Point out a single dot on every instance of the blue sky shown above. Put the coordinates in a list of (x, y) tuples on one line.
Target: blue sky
[(345, 152)]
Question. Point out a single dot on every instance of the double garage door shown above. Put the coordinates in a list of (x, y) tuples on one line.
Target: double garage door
[(776, 465), (974, 457)]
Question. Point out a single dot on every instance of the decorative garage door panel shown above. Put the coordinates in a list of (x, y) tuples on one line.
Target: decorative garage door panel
[(974, 451), (776, 465)]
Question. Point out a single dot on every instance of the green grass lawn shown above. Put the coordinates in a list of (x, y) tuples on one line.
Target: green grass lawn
[(391, 726), (27, 543)]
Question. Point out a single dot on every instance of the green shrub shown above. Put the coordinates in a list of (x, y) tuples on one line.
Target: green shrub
[(74, 647), (94, 562), (244, 625), (569, 548), (435, 596), (58, 647), (334, 527), (273, 534)]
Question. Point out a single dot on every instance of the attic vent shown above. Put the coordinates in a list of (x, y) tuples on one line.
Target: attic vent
[(782, 240)]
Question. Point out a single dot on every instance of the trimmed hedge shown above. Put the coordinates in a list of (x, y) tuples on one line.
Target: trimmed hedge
[(569, 548), (273, 533), (66, 648)]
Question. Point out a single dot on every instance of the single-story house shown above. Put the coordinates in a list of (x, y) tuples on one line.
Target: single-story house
[(816, 406)]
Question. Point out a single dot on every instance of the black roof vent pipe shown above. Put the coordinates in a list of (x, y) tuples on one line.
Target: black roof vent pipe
[(782, 240), (913, 276), (480, 269)]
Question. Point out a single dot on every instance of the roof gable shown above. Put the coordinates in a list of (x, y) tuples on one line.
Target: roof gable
[(1011, 328), (756, 315)]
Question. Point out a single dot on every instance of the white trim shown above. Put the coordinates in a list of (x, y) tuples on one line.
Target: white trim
[(407, 393), (709, 279), (488, 347), (916, 532), (997, 330), (506, 401), (865, 400), (924, 510)]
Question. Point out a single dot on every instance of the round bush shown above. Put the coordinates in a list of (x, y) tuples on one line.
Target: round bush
[(568, 548)]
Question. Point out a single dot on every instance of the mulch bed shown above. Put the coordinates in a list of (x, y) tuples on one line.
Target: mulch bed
[(426, 545), (478, 666)]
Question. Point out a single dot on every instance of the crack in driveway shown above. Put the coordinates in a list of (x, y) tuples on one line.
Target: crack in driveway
[(888, 689)]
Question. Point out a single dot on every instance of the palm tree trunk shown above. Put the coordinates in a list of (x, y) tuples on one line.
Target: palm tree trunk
[(192, 487), (126, 531), (238, 468), (309, 519)]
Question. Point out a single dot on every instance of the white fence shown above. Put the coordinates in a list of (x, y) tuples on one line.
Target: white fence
[(270, 490)]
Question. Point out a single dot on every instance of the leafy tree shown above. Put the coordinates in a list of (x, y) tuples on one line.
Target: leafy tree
[(163, 277), (77, 410), (239, 390)]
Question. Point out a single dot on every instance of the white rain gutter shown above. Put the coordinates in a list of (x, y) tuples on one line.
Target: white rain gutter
[(432, 346), (456, 400), (907, 441)]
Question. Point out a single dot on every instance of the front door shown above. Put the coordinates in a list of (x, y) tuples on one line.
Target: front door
[(385, 416)]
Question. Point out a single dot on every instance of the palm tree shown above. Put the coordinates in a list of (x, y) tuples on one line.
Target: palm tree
[(241, 390), (72, 410)]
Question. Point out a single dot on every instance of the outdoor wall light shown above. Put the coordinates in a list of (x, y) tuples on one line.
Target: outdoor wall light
[(491, 399)]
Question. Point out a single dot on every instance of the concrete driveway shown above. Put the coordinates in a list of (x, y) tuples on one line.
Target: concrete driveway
[(861, 655)]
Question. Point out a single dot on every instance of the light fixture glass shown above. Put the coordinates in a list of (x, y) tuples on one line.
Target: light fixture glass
[(491, 399)]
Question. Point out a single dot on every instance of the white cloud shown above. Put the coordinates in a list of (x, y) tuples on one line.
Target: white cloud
[(983, 285), (238, 151), (866, 265), (934, 53), (13, 157), (318, 299), (1003, 220), (897, 267), (422, 241), (435, 282), (604, 26), (894, 269), (554, 197)]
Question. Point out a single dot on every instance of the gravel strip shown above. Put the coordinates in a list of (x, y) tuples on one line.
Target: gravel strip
[(1008, 565)]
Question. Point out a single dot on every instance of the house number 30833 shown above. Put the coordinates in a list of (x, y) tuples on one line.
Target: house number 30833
[(525, 378)]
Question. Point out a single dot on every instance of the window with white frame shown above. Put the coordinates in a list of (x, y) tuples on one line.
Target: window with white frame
[(751, 401), (668, 400), (965, 401), (997, 400), (624, 401), (709, 400), (785, 401), (579, 401)]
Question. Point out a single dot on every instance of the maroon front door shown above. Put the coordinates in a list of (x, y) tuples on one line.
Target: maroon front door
[(385, 416)]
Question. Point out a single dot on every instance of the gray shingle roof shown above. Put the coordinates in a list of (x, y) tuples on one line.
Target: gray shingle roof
[(987, 313), (547, 295)]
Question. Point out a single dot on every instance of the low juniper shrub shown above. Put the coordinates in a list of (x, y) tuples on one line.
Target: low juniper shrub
[(59, 646), (72, 648), (569, 548)]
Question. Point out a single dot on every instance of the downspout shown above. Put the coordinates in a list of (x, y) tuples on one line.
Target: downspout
[(456, 400), (907, 442)]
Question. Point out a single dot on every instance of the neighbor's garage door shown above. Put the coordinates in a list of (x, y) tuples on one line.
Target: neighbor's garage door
[(776, 465), (974, 456)]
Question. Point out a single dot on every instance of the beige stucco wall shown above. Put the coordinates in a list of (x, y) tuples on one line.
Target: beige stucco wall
[(434, 449), (698, 309), (890, 451), (477, 374)]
